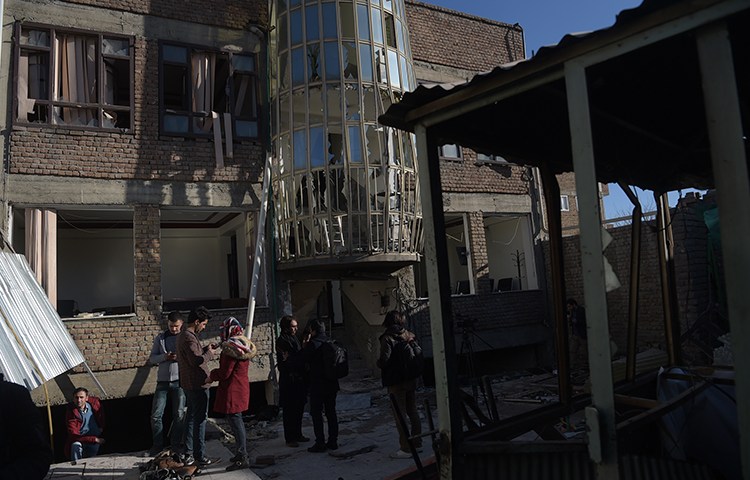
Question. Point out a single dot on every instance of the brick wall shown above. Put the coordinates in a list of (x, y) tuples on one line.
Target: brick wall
[(125, 342), (140, 154), (455, 39), (147, 262), (228, 13), (466, 175), (488, 312), (691, 278)]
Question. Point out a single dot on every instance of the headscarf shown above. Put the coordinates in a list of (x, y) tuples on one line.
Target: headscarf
[(232, 333)]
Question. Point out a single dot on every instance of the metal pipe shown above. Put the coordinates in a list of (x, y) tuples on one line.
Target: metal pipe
[(661, 242), (635, 270), (671, 283), (551, 192)]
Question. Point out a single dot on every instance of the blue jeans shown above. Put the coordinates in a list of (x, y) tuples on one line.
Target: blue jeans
[(195, 422), (80, 450), (163, 390), (240, 435)]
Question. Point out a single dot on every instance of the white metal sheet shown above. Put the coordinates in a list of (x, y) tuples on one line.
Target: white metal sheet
[(35, 346)]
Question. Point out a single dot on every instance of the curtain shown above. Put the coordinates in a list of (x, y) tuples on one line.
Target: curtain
[(41, 249), (77, 77), (203, 89)]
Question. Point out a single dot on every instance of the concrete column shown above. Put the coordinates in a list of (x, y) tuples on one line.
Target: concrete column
[(147, 262)]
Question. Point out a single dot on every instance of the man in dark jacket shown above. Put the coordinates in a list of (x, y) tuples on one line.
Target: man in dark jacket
[(292, 381), (24, 448), (322, 390), (193, 359), (397, 382), (577, 321), (84, 419)]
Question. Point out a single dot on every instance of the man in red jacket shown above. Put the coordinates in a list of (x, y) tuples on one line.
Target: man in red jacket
[(85, 422)]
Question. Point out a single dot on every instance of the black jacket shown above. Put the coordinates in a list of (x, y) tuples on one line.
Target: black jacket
[(293, 368), (313, 355), (392, 373), (24, 446)]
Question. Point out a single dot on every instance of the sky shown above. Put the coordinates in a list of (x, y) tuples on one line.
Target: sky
[(545, 22)]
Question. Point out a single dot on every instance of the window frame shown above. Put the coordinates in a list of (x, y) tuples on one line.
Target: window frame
[(564, 205), (491, 160), (51, 102), (255, 81), (442, 156)]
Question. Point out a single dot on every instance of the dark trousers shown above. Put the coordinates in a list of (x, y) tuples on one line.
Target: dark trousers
[(292, 397), (321, 401)]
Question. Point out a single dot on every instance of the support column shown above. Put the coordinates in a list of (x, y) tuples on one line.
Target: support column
[(441, 316), (480, 267), (600, 417), (147, 262), (728, 157)]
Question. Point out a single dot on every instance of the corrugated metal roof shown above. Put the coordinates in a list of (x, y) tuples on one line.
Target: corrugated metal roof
[(35, 346), (645, 96)]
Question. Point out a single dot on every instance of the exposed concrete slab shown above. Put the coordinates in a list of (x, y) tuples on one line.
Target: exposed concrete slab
[(59, 192), (432, 73), (73, 15), (486, 203)]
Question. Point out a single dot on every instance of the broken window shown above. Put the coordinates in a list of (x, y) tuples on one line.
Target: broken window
[(200, 88), (73, 78)]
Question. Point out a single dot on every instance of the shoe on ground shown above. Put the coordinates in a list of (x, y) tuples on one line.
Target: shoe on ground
[(332, 445), (205, 461), (292, 444), (238, 464), (187, 459), (303, 439), (400, 454), (317, 448)]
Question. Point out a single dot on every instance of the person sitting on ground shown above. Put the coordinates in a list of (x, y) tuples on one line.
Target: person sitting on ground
[(292, 381), (24, 448), (397, 380), (233, 393), (167, 384), (85, 422)]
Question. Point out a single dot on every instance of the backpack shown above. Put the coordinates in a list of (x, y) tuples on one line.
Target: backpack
[(335, 360), (408, 355)]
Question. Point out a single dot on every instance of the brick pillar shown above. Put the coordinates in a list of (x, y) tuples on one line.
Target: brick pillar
[(147, 262), (478, 247)]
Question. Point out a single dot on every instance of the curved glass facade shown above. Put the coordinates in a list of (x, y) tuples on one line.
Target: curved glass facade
[(343, 184)]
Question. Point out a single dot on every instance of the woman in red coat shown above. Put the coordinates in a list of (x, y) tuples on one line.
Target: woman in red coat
[(233, 394)]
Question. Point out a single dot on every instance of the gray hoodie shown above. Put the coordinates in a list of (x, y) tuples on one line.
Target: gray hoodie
[(164, 343)]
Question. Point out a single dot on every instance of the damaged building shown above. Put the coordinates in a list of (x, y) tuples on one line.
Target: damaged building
[(136, 142)]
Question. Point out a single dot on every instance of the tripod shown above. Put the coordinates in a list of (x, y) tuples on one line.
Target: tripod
[(467, 354)]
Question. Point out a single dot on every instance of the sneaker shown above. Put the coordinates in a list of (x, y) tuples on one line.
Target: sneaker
[(317, 448), (292, 444), (303, 439), (187, 459), (332, 445), (238, 464), (205, 461), (400, 454)]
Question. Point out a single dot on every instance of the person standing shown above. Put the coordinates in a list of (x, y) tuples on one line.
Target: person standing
[(397, 379), (323, 390), (292, 381), (193, 359), (24, 448), (577, 321), (163, 354), (233, 394), (84, 419)]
